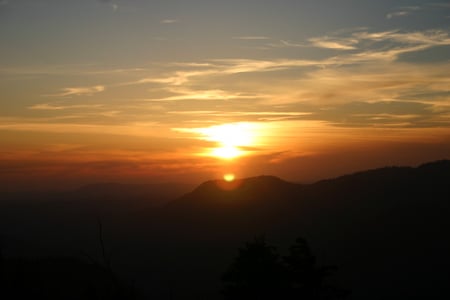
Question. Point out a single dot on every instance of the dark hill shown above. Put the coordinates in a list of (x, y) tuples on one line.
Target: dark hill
[(388, 229), (219, 194)]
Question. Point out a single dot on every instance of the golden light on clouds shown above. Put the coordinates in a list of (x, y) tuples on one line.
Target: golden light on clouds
[(227, 152), (256, 103), (230, 140)]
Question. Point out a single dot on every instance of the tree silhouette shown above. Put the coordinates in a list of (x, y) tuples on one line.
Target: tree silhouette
[(306, 279), (258, 272)]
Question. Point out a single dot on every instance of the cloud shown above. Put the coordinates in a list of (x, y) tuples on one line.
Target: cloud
[(253, 116), (217, 94), (79, 91), (319, 42), (64, 70), (403, 11), (333, 43), (178, 78), (286, 44), (169, 21), (48, 106), (140, 129), (4, 2), (397, 14), (213, 79), (373, 47), (235, 88), (427, 38)]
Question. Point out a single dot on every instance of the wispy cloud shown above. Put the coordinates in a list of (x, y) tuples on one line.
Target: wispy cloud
[(427, 38), (50, 125), (79, 91), (397, 14), (403, 11), (177, 78), (218, 94), (374, 49), (332, 43), (169, 21), (254, 116), (48, 106), (286, 44), (370, 73), (401, 43)]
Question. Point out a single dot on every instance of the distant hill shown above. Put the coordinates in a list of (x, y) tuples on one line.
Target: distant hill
[(155, 194), (386, 229), (159, 193), (373, 192)]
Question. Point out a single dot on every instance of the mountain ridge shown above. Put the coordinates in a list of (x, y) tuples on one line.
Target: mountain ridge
[(375, 177), (386, 229)]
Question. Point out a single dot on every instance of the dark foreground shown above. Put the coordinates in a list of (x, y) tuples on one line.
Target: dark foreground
[(386, 231)]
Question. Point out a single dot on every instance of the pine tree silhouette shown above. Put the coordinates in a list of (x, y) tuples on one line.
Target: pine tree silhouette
[(258, 272)]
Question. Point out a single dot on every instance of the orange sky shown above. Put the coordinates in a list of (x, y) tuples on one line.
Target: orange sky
[(137, 91)]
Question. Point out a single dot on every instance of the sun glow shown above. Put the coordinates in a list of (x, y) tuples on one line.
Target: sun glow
[(226, 152), (229, 177), (230, 139)]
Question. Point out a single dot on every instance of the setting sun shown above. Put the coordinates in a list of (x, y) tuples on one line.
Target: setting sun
[(229, 177)]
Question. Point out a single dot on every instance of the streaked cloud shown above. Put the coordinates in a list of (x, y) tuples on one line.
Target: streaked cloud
[(169, 21), (397, 14), (79, 91), (403, 11), (286, 44), (315, 86), (427, 38), (50, 125), (330, 43), (321, 89), (187, 94), (49, 106), (401, 43)]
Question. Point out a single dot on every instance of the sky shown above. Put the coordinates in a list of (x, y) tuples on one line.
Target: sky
[(189, 90)]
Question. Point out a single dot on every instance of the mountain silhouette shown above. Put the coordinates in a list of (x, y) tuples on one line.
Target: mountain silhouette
[(385, 229)]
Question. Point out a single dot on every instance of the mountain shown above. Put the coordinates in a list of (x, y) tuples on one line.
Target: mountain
[(154, 194), (387, 229)]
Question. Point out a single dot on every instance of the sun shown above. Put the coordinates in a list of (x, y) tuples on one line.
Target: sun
[(229, 177), (230, 139)]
